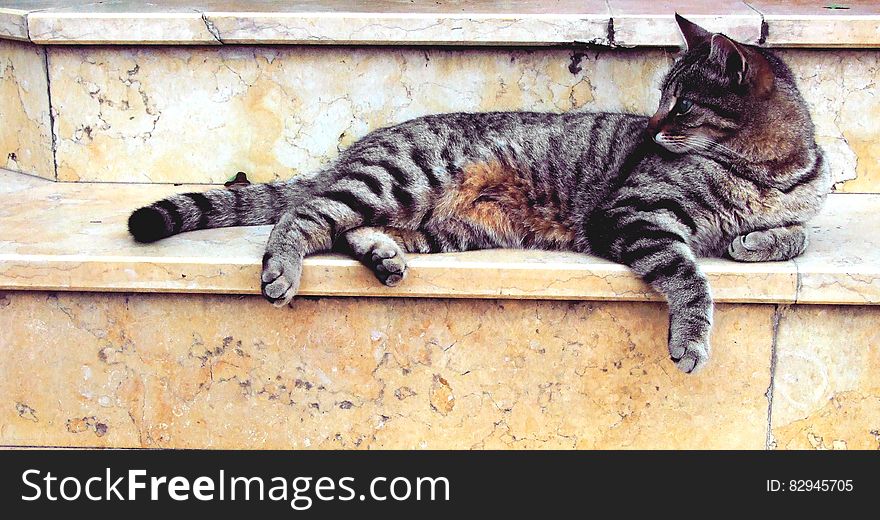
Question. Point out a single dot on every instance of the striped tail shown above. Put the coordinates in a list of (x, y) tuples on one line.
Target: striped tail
[(253, 205)]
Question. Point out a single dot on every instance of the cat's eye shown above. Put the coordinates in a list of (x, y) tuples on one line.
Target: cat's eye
[(683, 107)]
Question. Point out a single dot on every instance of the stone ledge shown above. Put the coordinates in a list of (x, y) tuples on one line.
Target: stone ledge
[(72, 237), (625, 23)]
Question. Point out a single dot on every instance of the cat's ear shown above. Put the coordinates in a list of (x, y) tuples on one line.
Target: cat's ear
[(729, 56), (693, 34), (742, 65)]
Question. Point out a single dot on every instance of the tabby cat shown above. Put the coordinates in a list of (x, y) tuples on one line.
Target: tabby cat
[(727, 166)]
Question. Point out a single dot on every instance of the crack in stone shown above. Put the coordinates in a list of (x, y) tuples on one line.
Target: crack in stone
[(770, 442), (211, 28), (52, 132)]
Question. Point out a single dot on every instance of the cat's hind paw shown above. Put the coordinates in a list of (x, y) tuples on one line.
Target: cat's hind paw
[(388, 263), (280, 278)]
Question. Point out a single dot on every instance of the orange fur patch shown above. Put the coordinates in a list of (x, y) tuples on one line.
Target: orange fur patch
[(500, 200)]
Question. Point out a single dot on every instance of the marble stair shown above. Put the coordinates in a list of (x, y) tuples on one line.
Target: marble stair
[(106, 343)]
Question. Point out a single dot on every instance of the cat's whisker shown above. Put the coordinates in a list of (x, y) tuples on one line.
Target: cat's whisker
[(708, 145)]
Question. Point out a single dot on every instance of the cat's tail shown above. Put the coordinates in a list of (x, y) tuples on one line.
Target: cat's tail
[(252, 205)]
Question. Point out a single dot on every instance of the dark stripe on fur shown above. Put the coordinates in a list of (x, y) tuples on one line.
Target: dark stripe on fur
[(665, 269), (423, 163), (175, 224), (355, 203), (205, 208), (632, 255), (403, 197), (639, 229), (331, 223), (309, 218), (371, 182), (433, 242), (670, 205), (811, 175)]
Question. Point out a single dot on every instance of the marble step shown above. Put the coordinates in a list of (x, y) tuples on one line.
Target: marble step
[(277, 91), (73, 236), (106, 343), (625, 23)]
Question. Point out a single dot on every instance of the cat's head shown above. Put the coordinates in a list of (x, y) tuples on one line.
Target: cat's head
[(722, 96)]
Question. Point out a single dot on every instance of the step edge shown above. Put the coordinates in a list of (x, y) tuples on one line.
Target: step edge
[(206, 27), (325, 275)]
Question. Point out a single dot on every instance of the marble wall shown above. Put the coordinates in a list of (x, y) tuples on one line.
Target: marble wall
[(25, 123), (184, 371), (841, 88), (827, 390), (200, 114), (146, 114), (233, 372)]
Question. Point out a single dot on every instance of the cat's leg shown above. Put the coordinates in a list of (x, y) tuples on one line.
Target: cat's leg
[(671, 269), (306, 230), (657, 251), (377, 250), (769, 245)]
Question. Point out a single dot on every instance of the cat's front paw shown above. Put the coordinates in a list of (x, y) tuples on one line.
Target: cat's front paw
[(280, 278), (757, 246), (769, 245), (689, 340), (689, 356)]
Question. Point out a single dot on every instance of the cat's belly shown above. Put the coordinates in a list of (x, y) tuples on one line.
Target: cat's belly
[(495, 206)]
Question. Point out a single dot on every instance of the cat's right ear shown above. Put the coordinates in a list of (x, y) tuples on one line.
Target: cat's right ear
[(693, 34)]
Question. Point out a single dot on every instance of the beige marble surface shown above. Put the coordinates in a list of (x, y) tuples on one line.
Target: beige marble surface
[(25, 128), (121, 22), (521, 22), (200, 115), (840, 86), (467, 22), (73, 237), (13, 23), (641, 23), (833, 278), (14, 14), (145, 114), (184, 371), (826, 392), (803, 23)]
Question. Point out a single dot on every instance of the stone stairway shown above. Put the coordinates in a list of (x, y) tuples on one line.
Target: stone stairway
[(106, 343)]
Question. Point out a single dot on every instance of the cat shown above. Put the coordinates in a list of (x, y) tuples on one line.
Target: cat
[(727, 166)]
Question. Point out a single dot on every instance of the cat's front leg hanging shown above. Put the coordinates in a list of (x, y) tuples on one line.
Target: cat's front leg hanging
[(666, 263)]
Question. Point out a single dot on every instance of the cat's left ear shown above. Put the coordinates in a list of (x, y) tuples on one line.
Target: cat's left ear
[(746, 67), (692, 33)]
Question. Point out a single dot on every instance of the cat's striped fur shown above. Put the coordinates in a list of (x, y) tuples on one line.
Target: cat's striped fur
[(727, 166)]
